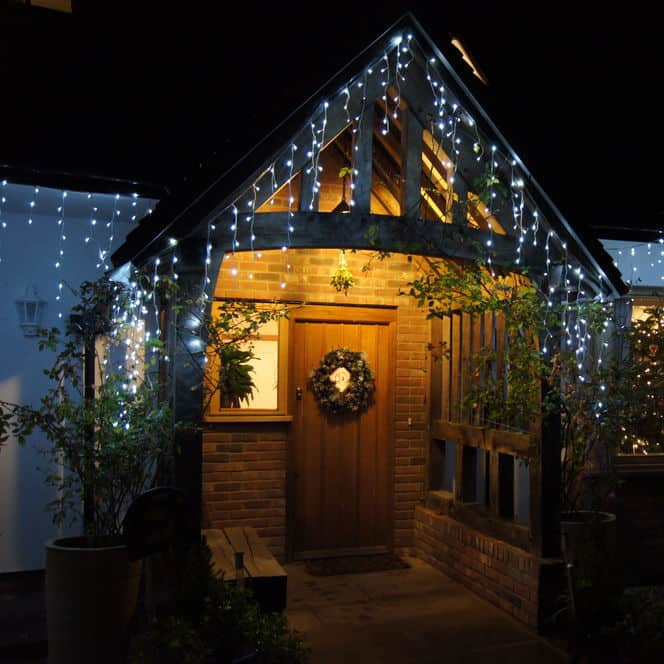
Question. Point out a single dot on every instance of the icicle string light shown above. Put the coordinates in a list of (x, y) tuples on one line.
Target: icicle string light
[(450, 122), (391, 68), (3, 222), (61, 248), (385, 73)]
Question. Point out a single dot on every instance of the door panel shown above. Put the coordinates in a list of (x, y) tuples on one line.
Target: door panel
[(340, 466)]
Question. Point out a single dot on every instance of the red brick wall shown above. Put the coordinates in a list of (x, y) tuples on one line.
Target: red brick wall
[(506, 576), (244, 480), (244, 465)]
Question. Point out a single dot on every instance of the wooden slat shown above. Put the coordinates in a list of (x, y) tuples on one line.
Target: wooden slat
[(264, 561), (495, 440), (436, 369), (455, 365), (464, 366), (225, 542), (446, 369), (238, 542), (223, 556), (500, 341), (477, 343), (494, 484)]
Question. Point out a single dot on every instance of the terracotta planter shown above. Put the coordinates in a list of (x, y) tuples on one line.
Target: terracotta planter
[(91, 595)]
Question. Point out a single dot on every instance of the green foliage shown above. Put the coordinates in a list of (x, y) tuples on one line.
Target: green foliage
[(500, 398), (640, 630), (171, 641), (643, 374), (584, 392), (515, 384), (235, 381), (105, 442), (227, 334), (488, 185), (342, 279), (221, 619)]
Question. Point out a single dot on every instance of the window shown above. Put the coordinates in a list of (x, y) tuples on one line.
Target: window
[(268, 372)]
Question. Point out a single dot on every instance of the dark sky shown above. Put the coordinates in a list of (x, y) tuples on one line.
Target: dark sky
[(148, 90)]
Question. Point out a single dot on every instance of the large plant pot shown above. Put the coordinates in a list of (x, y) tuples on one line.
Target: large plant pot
[(91, 595), (587, 531), (590, 546)]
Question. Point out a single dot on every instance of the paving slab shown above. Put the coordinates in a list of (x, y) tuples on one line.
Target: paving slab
[(416, 615)]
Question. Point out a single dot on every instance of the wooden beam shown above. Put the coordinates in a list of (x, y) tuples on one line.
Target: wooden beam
[(313, 230), (494, 440)]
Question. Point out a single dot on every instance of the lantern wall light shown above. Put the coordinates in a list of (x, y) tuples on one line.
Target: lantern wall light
[(29, 308)]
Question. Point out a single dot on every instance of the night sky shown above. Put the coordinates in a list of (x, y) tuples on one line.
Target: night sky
[(149, 90)]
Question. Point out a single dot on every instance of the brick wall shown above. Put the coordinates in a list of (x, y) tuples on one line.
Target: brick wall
[(512, 579), (244, 465), (244, 480)]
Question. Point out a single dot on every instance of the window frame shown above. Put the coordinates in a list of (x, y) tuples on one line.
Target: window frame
[(215, 413)]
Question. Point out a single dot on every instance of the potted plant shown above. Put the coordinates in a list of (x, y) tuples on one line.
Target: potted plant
[(107, 433), (588, 400), (236, 383), (225, 356)]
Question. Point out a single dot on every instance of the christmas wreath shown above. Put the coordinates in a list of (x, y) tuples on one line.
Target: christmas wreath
[(343, 382)]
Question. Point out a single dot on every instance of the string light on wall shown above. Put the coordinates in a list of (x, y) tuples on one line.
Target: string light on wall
[(641, 263)]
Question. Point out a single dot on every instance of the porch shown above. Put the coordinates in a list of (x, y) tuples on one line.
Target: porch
[(416, 615)]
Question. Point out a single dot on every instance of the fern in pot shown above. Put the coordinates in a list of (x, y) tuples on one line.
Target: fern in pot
[(236, 383)]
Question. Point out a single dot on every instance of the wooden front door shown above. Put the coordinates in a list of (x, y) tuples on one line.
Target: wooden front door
[(340, 466)]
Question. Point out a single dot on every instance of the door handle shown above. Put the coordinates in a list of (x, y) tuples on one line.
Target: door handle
[(298, 393)]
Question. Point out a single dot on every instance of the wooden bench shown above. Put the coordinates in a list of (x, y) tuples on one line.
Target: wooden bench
[(263, 574)]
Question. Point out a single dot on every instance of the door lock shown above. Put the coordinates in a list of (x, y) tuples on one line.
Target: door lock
[(298, 393)]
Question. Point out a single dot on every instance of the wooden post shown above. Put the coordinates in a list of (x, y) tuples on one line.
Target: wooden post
[(411, 165), (494, 483), (186, 377), (545, 488), (458, 472), (363, 161), (308, 197), (459, 207)]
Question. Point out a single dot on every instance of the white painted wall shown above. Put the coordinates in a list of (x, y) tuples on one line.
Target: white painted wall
[(640, 263), (28, 254)]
